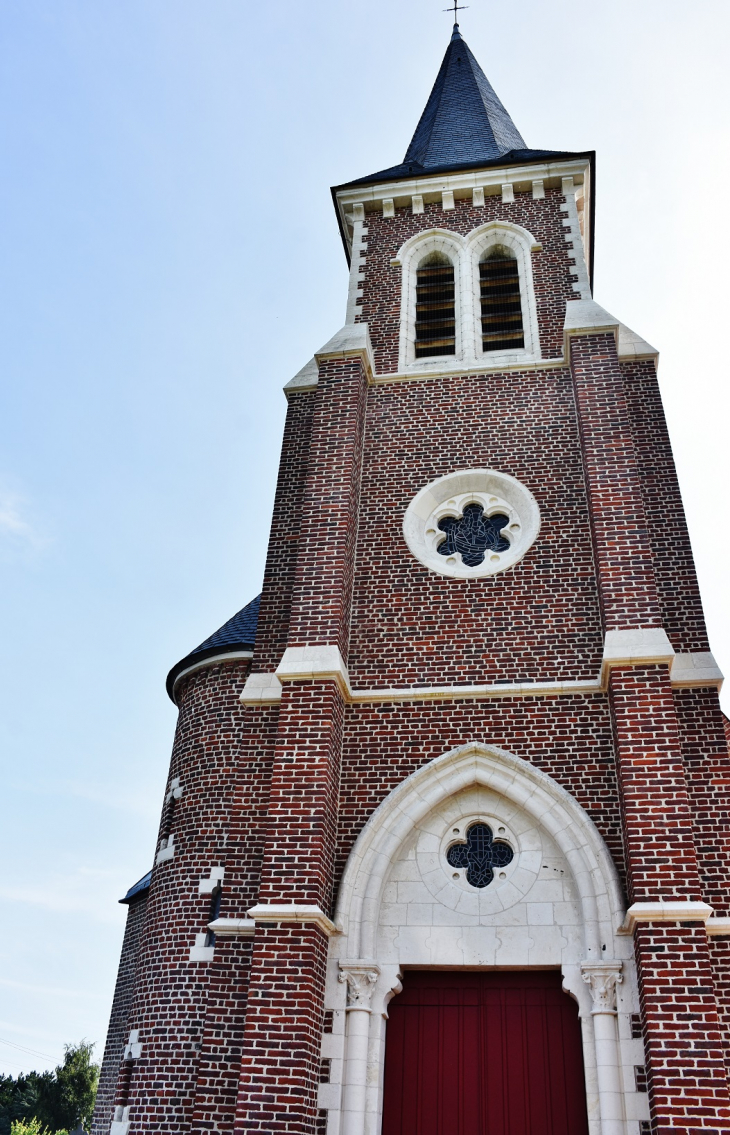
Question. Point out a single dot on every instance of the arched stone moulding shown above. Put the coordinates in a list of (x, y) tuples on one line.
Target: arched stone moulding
[(465, 253), (561, 848)]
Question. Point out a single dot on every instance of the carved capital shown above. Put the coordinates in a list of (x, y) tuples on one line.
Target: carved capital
[(360, 978), (602, 979)]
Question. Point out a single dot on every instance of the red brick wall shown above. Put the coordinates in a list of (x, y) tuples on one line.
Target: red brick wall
[(674, 569), (540, 620)]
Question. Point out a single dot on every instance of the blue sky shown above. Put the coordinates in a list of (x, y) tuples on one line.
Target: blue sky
[(169, 259)]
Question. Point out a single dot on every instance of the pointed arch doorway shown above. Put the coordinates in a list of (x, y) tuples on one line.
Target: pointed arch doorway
[(484, 1053)]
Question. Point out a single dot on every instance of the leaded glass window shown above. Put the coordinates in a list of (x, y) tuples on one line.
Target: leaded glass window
[(480, 854), (499, 280), (472, 535), (435, 307)]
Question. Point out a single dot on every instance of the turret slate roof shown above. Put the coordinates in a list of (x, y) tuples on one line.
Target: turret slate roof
[(464, 124), (239, 633)]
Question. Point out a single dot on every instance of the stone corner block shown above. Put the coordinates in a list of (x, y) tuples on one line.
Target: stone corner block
[(261, 689), (352, 340), (632, 346), (311, 662), (305, 379), (586, 317), (696, 669), (661, 910), (640, 647)]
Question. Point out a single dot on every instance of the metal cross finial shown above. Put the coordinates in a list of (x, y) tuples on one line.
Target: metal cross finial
[(456, 8)]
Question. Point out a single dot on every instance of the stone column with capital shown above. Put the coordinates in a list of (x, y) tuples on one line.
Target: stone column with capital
[(360, 978), (602, 978)]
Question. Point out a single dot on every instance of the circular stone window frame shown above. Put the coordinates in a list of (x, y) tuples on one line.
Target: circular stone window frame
[(448, 496)]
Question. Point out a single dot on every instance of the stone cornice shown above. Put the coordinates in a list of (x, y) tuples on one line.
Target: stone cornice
[(661, 910), (293, 912)]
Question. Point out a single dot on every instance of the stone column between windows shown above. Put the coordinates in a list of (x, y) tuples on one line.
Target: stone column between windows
[(658, 840)]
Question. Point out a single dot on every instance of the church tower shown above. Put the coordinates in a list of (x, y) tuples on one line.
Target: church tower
[(444, 847)]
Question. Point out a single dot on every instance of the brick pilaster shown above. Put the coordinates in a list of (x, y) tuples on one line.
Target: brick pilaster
[(280, 1061), (679, 1004)]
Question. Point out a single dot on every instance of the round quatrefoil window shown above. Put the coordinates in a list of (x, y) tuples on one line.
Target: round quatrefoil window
[(472, 523)]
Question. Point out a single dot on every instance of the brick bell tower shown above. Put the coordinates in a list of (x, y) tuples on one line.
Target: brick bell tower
[(444, 848)]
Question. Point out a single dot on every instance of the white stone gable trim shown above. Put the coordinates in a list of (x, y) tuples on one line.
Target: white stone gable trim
[(293, 912), (673, 910)]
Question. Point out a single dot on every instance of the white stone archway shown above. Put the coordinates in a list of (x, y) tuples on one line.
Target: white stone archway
[(558, 905)]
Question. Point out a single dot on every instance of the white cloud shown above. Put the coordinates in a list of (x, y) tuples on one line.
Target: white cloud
[(15, 528)]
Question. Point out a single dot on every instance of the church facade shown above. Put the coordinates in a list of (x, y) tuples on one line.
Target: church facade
[(444, 846)]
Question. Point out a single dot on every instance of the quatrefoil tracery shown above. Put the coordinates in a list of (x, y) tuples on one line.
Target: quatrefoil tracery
[(480, 854), (472, 534)]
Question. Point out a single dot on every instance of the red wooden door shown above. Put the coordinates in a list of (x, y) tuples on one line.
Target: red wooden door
[(484, 1054)]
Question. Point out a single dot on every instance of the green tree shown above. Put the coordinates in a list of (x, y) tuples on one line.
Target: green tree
[(55, 1101)]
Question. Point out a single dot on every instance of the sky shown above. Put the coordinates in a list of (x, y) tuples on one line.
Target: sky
[(169, 258)]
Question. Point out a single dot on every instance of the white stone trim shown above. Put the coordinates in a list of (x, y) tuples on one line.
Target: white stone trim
[(716, 926), (411, 254), (400, 191), (508, 194), (200, 952), (265, 689), (447, 199), (292, 912), (313, 662), (357, 264), (230, 656), (174, 791), (261, 689), (214, 880), (698, 669), (388, 207), (645, 646), (538, 189), (167, 850), (351, 341), (586, 317), (133, 1048), (233, 927), (477, 197), (498, 493), (121, 1122), (573, 234), (672, 910)]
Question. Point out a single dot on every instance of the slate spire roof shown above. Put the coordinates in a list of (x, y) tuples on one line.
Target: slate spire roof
[(464, 121), (463, 125)]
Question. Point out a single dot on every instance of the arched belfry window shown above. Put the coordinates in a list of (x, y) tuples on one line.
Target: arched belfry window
[(435, 307), (499, 280)]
